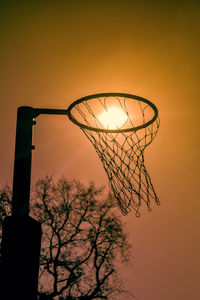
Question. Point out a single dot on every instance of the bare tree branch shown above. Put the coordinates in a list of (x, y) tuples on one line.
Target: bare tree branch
[(83, 238)]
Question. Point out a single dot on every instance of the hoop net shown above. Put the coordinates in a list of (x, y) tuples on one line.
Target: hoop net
[(120, 141)]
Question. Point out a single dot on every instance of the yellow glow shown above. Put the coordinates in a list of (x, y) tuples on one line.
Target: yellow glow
[(113, 118)]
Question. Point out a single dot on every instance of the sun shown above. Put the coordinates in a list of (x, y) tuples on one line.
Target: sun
[(113, 118)]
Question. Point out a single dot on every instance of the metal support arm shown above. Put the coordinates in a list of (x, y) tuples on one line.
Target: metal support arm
[(23, 156)]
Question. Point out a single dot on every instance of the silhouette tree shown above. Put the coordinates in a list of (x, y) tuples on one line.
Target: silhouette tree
[(83, 239), (5, 207)]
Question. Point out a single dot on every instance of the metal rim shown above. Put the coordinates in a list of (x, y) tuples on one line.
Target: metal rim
[(90, 97)]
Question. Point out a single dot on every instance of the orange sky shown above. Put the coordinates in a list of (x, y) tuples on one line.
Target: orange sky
[(57, 52)]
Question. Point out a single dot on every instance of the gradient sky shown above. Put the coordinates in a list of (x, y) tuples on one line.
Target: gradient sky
[(54, 52)]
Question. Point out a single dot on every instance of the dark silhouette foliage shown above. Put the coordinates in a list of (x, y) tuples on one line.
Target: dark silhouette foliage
[(5, 207), (83, 239)]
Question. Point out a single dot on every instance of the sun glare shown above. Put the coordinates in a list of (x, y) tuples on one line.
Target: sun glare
[(113, 118)]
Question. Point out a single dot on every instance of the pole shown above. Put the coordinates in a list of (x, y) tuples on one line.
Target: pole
[(21, 236), (22, 163)]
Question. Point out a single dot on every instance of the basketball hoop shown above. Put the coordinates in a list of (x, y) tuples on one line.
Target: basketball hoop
[(120, 126)]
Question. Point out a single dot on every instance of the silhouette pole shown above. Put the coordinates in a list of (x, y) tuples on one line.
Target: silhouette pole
[(21, 234)]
